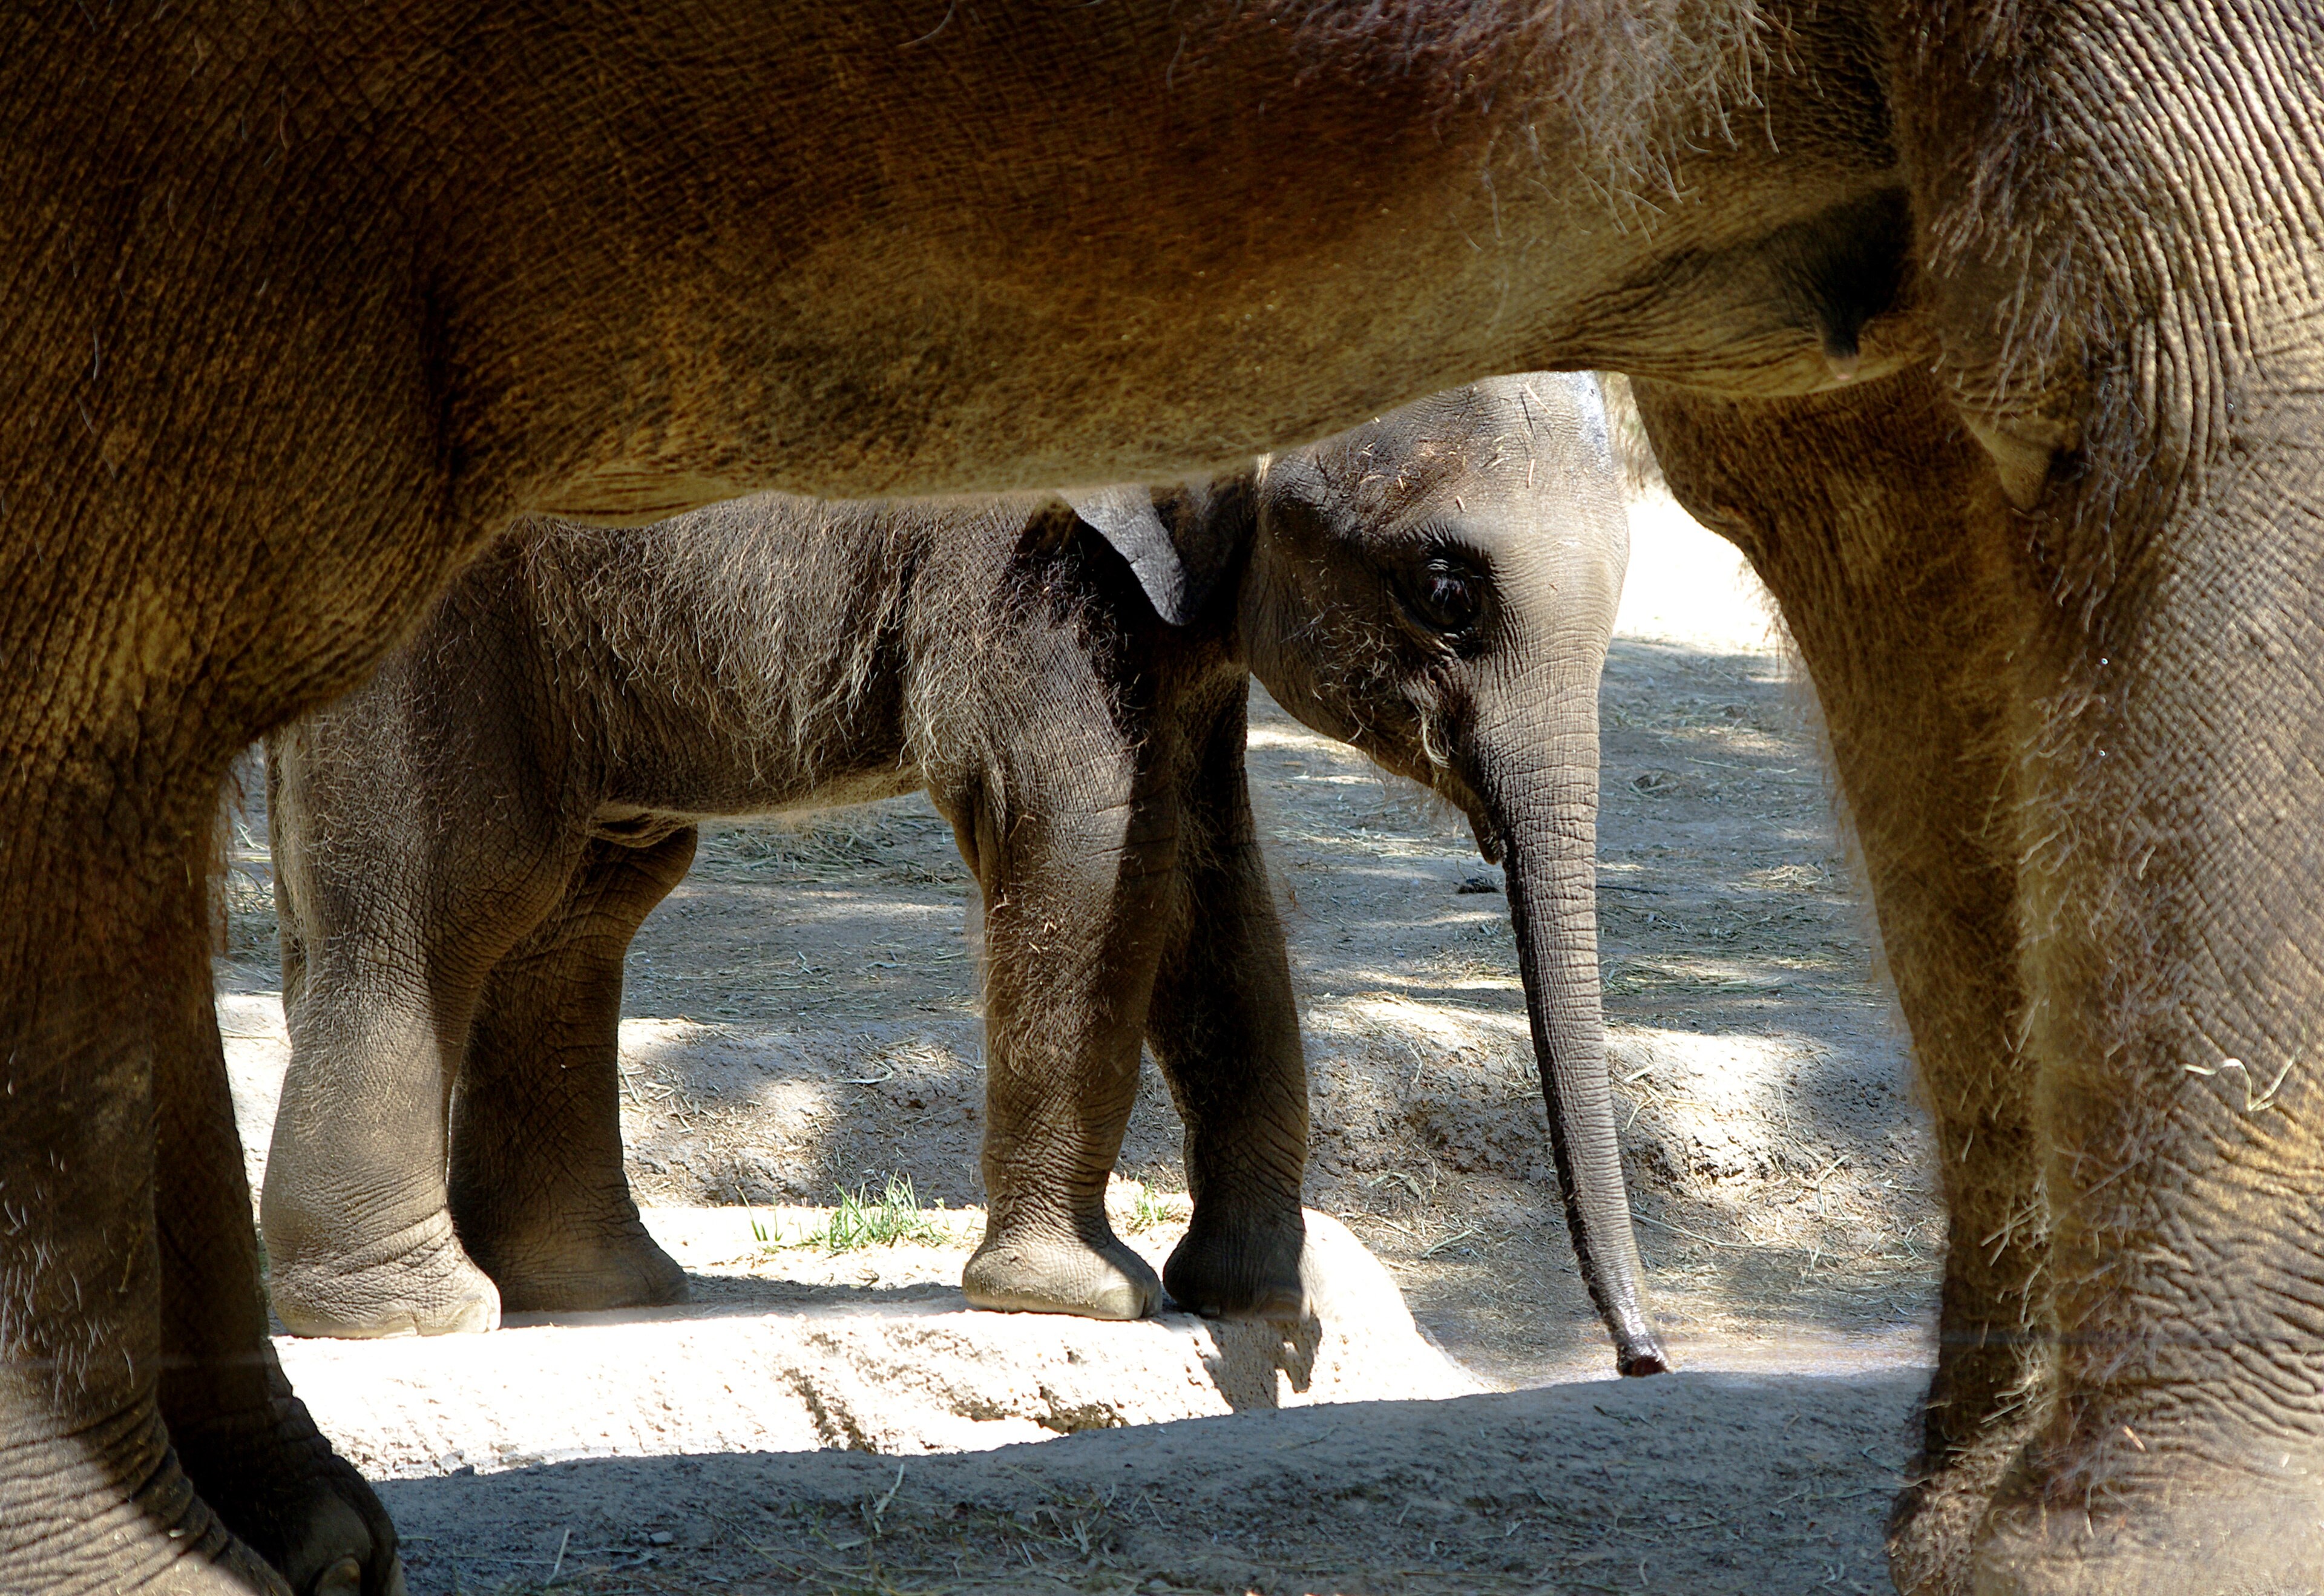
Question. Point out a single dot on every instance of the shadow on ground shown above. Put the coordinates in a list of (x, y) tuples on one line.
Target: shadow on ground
[(1707, 1484)]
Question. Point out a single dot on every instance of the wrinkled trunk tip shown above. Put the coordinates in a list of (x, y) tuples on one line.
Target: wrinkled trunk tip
[(1637, 1356)]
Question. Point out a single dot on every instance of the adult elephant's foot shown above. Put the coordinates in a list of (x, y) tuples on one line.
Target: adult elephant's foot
[(132, 1554), (1932, 1524), (575, 1267), (1240, 1265), (109, 1509), (2241, 1520), (275, 1481), (1091, 1274), (417, 1280)]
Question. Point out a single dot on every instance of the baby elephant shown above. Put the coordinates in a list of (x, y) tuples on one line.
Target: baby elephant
[(465, 847)]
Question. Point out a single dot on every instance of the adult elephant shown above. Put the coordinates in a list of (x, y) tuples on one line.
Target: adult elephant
[(1996, 327)]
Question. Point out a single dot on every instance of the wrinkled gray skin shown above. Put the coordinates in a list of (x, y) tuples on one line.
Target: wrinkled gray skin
[(466, 846)]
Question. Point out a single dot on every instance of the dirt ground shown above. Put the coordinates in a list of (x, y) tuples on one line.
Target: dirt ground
[(801, 1018)]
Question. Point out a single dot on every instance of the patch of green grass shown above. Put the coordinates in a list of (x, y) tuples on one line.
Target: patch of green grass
[(1144, 1213), (1136, 1207), (859, 1219)]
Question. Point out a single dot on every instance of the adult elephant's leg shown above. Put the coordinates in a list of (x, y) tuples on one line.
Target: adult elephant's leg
[(2124, 265), (92, 1499), (538, 1191), (2175, 945), (1875, 522), (1225, 1030), (1076, 871), (392, 920), (249, 1445)]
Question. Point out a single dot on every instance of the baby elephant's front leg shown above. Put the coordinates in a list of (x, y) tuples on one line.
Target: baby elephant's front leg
[(1073, 905), (1225, 1029)]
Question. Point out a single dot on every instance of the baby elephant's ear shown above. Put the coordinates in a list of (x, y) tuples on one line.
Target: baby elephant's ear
[(1179, 541)]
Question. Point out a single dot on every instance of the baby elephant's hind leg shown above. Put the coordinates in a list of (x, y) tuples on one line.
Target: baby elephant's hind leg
[(538, 1191)]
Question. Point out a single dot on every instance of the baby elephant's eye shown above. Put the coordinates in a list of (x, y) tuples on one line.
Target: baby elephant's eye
[(1448, 595)]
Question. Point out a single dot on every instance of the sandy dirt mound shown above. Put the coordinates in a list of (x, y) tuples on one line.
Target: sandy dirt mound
[(903, 1368)]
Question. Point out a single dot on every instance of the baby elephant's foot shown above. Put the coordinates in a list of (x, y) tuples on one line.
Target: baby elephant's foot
[(1242, 1269), (416, 1281), (1045, 1274), (575, 1267)]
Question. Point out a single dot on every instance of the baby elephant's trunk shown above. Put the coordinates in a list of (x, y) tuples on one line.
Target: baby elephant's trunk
[(1550, 833)]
